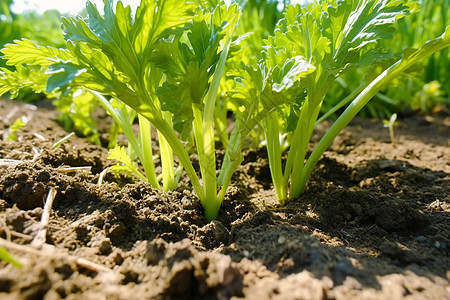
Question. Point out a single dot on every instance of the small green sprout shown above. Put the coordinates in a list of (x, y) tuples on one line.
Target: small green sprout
[(391, 124), (120, 154), (18, 123)]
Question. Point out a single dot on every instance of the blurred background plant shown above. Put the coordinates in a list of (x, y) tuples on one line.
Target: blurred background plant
[(258, 21), (426, 87), (28, 83), (430, 91)]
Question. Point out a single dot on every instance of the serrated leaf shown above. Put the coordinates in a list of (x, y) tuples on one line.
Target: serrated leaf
[(26, 52), (263, 90), (370, 21), (119, 153), (24, 77), (190, 63), (286, 75), (18, 123), (167, 15), (339, 34), (120, 169)]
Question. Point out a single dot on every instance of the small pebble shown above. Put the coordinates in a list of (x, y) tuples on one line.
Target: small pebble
[(105, 246), (357, 209), (347, 216), (421, 239), (435, 228), (118, 258), (221, 233), (440, 245)]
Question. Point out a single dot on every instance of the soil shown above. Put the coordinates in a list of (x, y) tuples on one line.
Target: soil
[(373, 223)]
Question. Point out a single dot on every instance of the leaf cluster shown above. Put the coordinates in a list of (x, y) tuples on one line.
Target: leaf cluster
[(179, 66)]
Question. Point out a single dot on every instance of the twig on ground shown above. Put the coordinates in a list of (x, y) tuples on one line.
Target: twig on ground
[(21, 235), (10, 115), (4, 162), (5, 227), (37, 153), (40, 136), (53, 254), (40, 237), (102, 175), (63, 140), (74, 169)]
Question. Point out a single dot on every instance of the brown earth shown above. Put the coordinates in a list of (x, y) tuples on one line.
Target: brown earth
[(374, 222)]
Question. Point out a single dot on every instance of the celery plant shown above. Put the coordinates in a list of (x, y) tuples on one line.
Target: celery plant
[(326, 38), (165, 62)]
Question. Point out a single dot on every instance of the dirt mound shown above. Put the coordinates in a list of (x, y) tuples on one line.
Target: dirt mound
[(373, 223)]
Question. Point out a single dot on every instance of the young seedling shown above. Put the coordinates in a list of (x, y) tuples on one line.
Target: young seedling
[(391, 124), (18, 123)]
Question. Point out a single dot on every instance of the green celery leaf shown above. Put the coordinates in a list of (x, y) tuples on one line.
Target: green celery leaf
[(24, 77), (413, 56), (18, 123), (61, 75), (339, 34), (26, 52), (355, 35), (115, 48), (167, 17), (286, 75), (189, 63), (263, 90), (120, 154)]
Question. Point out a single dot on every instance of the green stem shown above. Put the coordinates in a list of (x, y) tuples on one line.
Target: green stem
[(113, 134), (126, 128), (146, 157), (272, 132), (199, 139), (154, 114), (178, 149), (233, 156), (167, 131), (342, 103), (389, 74), (300, 141), (166, 152), (306, 122), (208, 164), (351, 111), (220, 124)]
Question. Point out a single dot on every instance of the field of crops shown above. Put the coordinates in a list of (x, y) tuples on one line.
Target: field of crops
[(242, 150)]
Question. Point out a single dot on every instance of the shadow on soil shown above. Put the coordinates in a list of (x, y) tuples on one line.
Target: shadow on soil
[(379, 218)]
